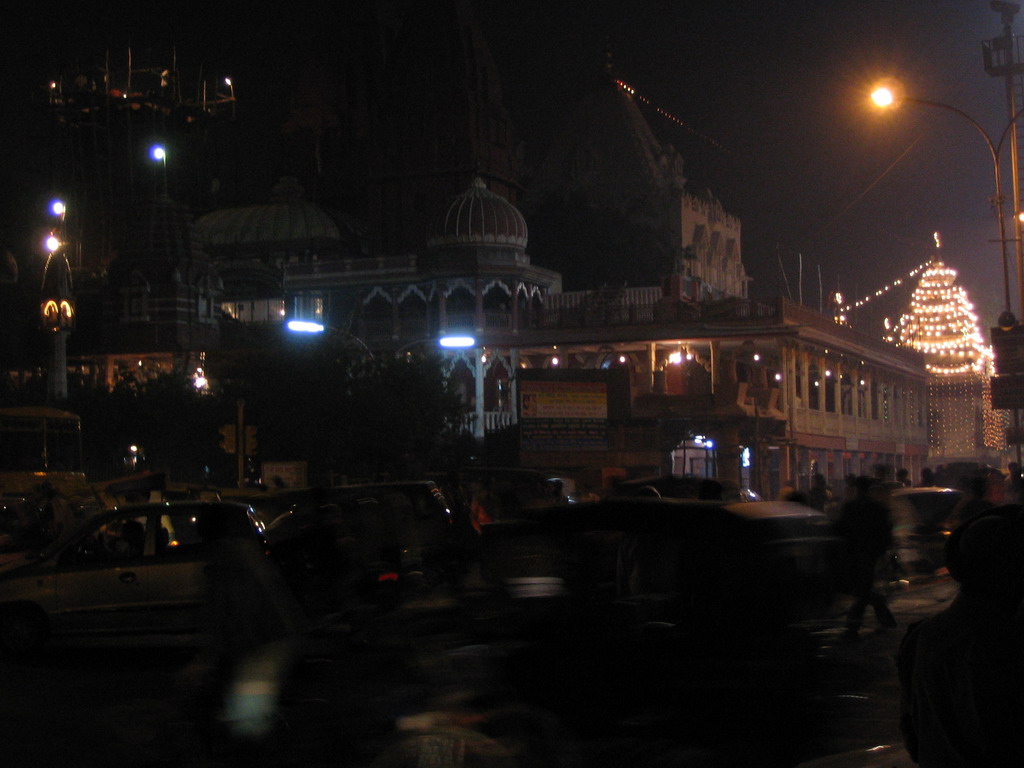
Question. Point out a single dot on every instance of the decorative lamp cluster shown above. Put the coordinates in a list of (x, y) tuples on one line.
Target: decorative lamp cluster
[(942, 324)]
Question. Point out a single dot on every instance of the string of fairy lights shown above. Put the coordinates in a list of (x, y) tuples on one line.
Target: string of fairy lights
[(843, 309), (666, 114)]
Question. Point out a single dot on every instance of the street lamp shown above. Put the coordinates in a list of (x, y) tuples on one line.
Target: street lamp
[(457, 342), (891, 96), (314, 327), (159, 154), (56, 305)]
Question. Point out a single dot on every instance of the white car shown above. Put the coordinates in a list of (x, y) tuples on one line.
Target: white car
[(132, 572)]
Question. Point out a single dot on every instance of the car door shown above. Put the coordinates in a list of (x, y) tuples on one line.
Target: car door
[(101, 579), (177, 592)]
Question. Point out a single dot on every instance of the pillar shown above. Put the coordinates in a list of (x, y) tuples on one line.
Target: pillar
[(478, 381)]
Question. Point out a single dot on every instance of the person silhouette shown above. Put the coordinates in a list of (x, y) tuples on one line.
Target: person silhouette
[(865, 527), (961, 672)]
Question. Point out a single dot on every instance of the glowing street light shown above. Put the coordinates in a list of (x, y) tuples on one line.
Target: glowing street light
[(305, 326), (457, 342), (159, 154), (891, 96)]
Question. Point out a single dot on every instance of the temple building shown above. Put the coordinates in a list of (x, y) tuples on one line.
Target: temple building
[(613, 329)]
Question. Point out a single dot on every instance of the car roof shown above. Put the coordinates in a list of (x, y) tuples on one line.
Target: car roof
[(665, 516), (154, 506), (923, 489)]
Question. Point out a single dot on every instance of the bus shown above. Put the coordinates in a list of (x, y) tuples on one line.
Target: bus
[(40, 444)]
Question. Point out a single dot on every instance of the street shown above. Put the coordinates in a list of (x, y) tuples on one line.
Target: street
[(859, 693), (105, 707)]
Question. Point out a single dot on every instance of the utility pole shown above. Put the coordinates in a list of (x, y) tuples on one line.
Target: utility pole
[(1002, 59), (240, 441)]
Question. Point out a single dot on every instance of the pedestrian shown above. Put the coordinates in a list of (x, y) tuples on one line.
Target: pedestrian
[(485, 506), (865, 529), (927, 478), (972, 503), (903, 477), (820, 494), (57, 514), (961, 672), (253, 627)]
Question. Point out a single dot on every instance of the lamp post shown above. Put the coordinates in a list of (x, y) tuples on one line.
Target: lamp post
[(315, 327), (887, 97), (159, 154), (57, 306)]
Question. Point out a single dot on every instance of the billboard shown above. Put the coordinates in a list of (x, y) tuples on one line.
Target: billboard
[(569, 410)]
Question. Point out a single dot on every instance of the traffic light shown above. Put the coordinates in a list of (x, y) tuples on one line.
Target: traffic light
[(229, 438), (250, 441)]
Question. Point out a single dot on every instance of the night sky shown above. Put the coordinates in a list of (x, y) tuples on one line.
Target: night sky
[(773, 95)]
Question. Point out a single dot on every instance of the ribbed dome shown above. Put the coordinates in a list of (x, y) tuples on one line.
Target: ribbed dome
[(288, 220), (479, 217)]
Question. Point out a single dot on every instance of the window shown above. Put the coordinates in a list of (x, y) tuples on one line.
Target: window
[(116, 540)]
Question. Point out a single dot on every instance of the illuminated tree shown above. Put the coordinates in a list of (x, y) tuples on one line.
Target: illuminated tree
[(941, 323)]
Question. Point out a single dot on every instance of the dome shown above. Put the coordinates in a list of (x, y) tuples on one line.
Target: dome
[(289, 221), (479, 217)]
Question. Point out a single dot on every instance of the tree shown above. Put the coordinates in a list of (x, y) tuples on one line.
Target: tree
[(328, 402)]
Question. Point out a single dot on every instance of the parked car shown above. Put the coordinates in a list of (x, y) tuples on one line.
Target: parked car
[(516, 487), (132, 572), (377, 538), (920, 517), (684, 487)]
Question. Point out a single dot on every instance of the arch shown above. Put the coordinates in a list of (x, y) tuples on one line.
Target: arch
[(458, 283), (460, 299), (375, 292), (497, 384), (496, 283), (463, 381), (377, 306), (496, 297), (411, 290)]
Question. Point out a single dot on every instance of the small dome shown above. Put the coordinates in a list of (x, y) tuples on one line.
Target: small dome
[(288, 221), (479, 217)]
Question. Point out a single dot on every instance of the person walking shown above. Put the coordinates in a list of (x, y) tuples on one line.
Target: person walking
[(820, 494), (865, 528), (972, 503), (961, 671)]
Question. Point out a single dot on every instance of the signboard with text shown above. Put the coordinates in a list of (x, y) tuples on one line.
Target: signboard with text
[(563, 416), (567, 410), (1008, 350), (284, 474)]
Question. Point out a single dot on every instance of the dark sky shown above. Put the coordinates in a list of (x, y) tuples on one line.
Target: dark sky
[(774, 94), (782, 87)]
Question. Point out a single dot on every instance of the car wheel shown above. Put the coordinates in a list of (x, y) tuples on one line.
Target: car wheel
[(23, 630)]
